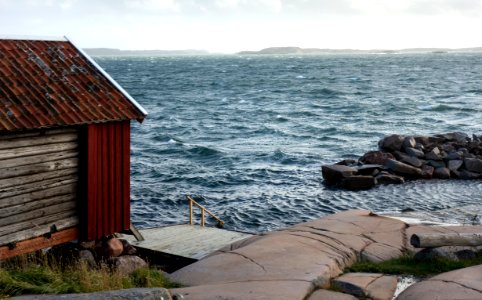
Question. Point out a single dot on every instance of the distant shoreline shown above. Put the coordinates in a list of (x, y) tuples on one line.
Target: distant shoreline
[(276, 51)]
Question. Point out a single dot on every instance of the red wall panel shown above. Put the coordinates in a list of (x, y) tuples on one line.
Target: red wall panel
[(108, 179)]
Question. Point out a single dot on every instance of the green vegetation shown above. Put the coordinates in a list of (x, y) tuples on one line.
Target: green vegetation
[(32, 275), (408, 265)]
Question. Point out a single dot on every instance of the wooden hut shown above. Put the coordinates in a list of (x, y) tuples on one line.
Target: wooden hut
[(64, 146)]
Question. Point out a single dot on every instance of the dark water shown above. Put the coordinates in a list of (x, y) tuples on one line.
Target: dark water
[(248, 135)]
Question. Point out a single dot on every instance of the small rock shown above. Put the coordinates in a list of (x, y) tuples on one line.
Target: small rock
[(333, 174), (415, 152), (358, 182), (436, 163), (110, 248), (346, 162), (127, 264), (434, 154), (467, 175), (409, 142), (441, 173), (128, 248), (87, 257), (427, 171), (403, 169), (376, 157), (454, 165), (392, 142), (473, 165)]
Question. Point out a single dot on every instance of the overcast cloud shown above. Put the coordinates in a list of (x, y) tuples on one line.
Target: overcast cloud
[(234, 25)]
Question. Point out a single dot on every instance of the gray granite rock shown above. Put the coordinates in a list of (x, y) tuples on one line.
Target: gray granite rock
[(473, 165), (333, 174), (127, 294), (403, 169), (392, 142)]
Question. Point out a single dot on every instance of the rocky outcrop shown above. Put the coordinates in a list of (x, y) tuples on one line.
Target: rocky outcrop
[(367, 285), (400, 158)]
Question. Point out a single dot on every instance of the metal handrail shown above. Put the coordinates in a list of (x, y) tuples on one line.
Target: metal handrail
[(204, 210)]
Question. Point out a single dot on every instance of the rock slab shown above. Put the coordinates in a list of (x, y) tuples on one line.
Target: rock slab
[(368, 285)]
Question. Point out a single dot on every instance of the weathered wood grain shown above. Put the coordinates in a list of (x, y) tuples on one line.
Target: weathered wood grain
[(63, 221), (37, 150), (38, 213), (38, 140), (38, 195), (35, 159), (10, 211), (12, 182), (39, 168), (37, 186)]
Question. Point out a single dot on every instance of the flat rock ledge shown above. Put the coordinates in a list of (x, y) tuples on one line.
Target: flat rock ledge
[(399, 158), (127, 294), (302, 261)]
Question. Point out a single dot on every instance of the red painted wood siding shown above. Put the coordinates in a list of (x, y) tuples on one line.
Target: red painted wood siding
[(108, 179)]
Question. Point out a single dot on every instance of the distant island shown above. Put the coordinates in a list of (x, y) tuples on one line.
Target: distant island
[(308, 51), (118, 52)]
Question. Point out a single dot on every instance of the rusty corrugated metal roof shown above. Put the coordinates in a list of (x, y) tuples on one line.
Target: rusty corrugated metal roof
[(50, 83)]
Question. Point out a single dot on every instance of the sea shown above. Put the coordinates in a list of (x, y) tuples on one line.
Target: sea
[(246, 135)]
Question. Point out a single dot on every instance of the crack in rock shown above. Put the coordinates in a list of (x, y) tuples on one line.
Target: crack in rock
[(457, 283), (250, 259)]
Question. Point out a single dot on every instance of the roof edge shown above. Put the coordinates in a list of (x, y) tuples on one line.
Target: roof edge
[(33, 38), (103, 72)]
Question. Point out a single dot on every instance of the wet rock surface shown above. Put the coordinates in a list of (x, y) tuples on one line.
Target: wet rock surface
[(443, 156)]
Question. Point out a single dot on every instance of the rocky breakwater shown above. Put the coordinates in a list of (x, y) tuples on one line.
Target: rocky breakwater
[(400, 158)]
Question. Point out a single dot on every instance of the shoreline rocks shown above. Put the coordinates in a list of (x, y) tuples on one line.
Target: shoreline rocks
[(399, 158)]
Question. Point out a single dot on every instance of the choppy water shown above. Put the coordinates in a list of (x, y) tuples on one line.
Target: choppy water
[(248, 134)]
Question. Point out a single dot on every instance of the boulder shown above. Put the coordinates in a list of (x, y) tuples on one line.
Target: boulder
[(358, 182), (110, 248), (467, 175), (450, 252), (369, 169), (387, 178), (403, 169), (126, 264), (441, 173), (409, 142), (459, 137), (434, 154), (346, 162), (473, 165), (427, 171), (415, 152), (454, 165), (392, 142), (436, 163), (86, 257), (333, 174), (411, 160), (376, 157), (455, 155)]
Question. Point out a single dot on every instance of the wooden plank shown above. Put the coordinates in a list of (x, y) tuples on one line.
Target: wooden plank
[(7, 183), (36, 150), (37, 186), (39, 168), (38, 140), (40, 227), (35, 159), (189, 241), (47, 193), (42, 132), (432, 240), (18, 213), (38, 243)]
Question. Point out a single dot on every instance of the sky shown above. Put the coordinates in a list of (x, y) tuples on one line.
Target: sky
[(228, 26)]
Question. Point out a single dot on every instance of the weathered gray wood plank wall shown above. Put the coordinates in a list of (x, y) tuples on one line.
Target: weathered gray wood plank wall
[(38, 183)]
